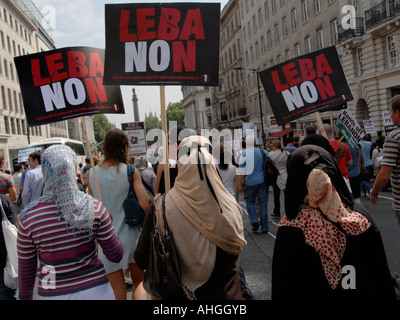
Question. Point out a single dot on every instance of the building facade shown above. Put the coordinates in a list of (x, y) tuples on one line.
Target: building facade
[(256, 35), (369, 52), (23, 30)]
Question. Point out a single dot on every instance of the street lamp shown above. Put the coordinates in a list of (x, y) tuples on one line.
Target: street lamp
[(259, 99)]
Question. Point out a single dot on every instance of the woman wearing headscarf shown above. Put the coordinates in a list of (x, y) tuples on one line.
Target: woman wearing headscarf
[(114, 186), (206, 223), (327, 247), (61, 230)]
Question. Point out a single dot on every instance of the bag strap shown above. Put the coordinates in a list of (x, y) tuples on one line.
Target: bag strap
[(131, 171), (164, 217)]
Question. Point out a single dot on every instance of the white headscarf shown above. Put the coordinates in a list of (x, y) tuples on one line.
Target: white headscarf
[(59, 170)]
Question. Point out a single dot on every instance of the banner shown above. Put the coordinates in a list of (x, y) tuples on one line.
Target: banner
[(162, 44), (65, 83), (306, 84), (137, 137), (369, 126), (23, 154), (388, 123), (352, 131)]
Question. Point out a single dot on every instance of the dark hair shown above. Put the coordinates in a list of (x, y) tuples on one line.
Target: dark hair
[(115, 146), (17, 167), (36, 156), (224, 152)]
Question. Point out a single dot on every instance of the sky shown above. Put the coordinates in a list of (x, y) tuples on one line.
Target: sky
[(81, 23)]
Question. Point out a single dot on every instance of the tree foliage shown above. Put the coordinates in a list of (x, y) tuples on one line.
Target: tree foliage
[(100, 126), (176, 112)]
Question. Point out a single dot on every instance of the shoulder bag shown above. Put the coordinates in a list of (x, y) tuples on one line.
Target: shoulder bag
[(134, 214), (162, 277), (10, 240)]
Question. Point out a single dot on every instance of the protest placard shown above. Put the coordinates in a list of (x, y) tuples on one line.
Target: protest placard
[(137, 137), (352, 131), (65, 83), (307, 84), (162, 44), (369, 126)]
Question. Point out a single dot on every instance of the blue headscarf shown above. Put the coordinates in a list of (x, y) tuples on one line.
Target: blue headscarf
[(59, 170)]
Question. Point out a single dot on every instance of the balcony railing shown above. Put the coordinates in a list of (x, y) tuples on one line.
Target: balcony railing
[(381, 12), (344, 34)]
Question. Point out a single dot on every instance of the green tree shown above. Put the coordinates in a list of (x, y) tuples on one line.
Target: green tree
[(152, 123), (100, 126), (176, 112)]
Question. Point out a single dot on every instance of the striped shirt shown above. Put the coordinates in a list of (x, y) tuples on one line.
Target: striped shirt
[(6, 182), (391, 152), (67, 263)]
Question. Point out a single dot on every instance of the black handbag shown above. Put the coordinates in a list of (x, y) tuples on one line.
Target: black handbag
[(134, 214), (162, 277)]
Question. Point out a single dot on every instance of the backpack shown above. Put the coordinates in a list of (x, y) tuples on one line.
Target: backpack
[(270, 170)]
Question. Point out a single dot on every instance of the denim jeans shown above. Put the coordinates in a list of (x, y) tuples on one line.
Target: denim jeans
[(5, 292), (259, 192)]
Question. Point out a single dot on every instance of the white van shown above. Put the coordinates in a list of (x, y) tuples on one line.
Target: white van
[(75, 145)]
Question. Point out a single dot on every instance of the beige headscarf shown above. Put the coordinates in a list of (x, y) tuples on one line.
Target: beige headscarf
[(200, 221)]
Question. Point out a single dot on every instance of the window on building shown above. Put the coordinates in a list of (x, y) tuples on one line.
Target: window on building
[(335, 32), (294, 20), (4, 98), (6, 125), (297, 50), (307, 44), (320, 36), (284, 27), (392, 50), (304, 10), (260, 18), (273, 4), (266, 11), (359, 57), (317, 6), (254, 25), (276, 33)]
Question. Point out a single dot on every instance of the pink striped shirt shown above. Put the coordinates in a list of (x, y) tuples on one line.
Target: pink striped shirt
[(67, 263)]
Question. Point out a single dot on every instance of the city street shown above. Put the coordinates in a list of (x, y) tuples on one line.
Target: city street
[(256, 258)]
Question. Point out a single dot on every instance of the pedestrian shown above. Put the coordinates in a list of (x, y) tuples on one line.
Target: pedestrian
[(7, 184), (342, 153), (11, 214), (206, 225), (60, 230), (34, 181), (254, 186), (147, 174), (290, 145), (390, 165), (327, 247), (18, 169), (114, 186), (377, 153), (366, 148), (281, 157), (227, 171)]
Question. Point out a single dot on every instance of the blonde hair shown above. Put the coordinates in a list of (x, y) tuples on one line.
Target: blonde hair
[(278, 144)]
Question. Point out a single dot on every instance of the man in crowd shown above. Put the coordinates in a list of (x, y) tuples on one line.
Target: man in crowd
[(254, 188), (34, 181), (390, 165)]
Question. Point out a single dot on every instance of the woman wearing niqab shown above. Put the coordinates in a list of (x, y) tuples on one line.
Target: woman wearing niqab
[(327, 247)]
